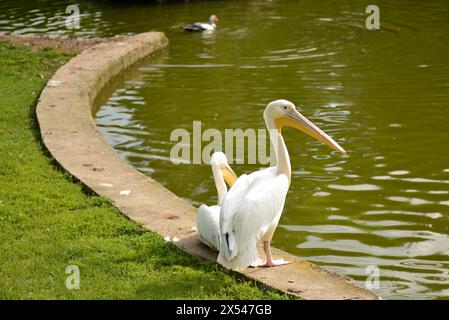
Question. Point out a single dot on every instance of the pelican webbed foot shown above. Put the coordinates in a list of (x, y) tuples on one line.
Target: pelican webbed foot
[(271, 263)]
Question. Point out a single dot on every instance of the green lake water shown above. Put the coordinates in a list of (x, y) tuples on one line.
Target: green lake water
[(383, 95)]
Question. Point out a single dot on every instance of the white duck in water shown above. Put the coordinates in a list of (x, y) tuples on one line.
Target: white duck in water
[(253, 205), (203, 26), (208, 217)]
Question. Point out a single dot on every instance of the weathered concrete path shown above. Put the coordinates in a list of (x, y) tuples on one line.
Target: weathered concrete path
[(70, 134)]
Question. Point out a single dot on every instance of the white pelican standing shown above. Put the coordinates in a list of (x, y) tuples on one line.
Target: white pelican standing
[(253, 206), (203, 26), (208, 217)]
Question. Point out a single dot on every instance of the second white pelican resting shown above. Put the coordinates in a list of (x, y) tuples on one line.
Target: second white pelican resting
[(253, 206), (208, 217)]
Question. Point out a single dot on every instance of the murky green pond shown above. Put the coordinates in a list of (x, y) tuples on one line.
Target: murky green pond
[(383, 95)]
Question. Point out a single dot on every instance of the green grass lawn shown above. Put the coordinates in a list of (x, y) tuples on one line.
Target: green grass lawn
[(47, 222)]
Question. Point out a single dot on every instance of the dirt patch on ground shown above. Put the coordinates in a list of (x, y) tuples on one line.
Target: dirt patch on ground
[(61, 43)]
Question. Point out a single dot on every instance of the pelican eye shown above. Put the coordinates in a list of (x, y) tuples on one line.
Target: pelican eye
[(285, 107)]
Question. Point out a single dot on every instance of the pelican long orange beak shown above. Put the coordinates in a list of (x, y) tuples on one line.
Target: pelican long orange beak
[(296, 120), (228, 175)]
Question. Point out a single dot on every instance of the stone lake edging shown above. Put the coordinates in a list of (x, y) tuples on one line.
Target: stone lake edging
[(71, 136)]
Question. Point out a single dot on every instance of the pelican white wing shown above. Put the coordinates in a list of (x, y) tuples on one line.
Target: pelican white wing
[(250, 211), (207, 226)]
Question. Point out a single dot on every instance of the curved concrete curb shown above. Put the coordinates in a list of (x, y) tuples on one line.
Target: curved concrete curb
[(69, 133)]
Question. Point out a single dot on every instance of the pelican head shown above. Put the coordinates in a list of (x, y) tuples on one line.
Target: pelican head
[(213, 19), (223, 174), (283, 113), (219, 163)]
